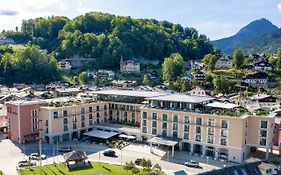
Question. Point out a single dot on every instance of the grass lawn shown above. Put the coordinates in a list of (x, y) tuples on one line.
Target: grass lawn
[(60, 169)]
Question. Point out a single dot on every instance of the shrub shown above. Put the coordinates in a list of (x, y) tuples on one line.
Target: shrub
[(135, 170)]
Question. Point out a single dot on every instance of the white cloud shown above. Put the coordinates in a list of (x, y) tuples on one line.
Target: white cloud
[(279, 7)]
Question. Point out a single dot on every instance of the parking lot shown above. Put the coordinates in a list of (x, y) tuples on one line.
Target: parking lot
[(11, 154)]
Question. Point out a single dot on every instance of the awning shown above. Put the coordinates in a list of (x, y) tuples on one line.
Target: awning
[(123, 136), (163, 141), (100, 134)]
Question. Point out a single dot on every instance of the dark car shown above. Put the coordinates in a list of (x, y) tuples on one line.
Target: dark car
[(109, 153), (65, 149), (138, 161)]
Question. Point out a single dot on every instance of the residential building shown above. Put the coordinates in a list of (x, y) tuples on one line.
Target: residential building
[(199, 91), (66, 92), (64, 65), (199, 76), (241, 100), (258, 79), (129, 66), (5, 40), (123, 83), (262, 65), (224, 63), (266, 101)]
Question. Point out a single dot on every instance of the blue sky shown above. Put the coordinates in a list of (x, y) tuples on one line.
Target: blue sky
[(215, 18)]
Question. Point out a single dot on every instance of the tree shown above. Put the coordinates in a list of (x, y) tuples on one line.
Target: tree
[(83, 77), (146, 164), (238, 59), (145, 80), (223, 85), (172, 67), (210, 61), (275, 60), (97, 81), (157, 167)]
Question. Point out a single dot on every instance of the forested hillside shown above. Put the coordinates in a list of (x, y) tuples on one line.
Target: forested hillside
[(108, 37)]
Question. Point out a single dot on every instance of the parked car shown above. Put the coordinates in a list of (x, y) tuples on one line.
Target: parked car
[(109, 153), (35, 156), (26, 163), (192, 163), (137, 161), (65, 149)]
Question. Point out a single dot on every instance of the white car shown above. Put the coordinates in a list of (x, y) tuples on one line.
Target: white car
[(35, 156), (192, 163)]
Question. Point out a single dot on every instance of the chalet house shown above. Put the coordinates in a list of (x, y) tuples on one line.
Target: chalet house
[(259, 77), (262, 65), (64, 65), (123, 83), (241, 100), (224, 63), (199, 76), (199, 92), (129, 66), (266, 101)]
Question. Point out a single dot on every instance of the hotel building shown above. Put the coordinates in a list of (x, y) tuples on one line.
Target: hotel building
[(194, 124)]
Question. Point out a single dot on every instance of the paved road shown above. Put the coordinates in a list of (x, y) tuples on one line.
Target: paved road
[(10, 155)]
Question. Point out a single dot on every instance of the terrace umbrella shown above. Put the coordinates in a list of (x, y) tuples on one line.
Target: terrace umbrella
[(131, 137)]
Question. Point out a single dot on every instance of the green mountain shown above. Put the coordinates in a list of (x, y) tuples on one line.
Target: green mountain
[(252, 32), (107, 37)]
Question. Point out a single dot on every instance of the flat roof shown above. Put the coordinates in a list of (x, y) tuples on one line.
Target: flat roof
[(162, 141), (130, 93), (182, 98), (222, 105), (100, 134), (25, 102)]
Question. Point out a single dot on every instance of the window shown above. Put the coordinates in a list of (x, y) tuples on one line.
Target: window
[(164, 117), (144, 130), (198, 121), (164, 133), (34, 113), (263, 141), (186, 128), (224, 124), (125, 114), (210, 139), (210, 131), (175, 118), (263, 124), (98, 108), (133, 117), (65, 128), (175, 134), (105, 113), (154, 131), (198, 130), (105, 107), (186, 119), (90, 109), (198, 138), (55, 114), (144, 115), (65, 121), (186, 136), (98, 115), (211, 122), (82, 124), (154, 116), (74, 126), (90, 122), (144, 122), (223, 133), (263, 133), (82, 118), (65, 113), (154, 124), (175, 126), (90, 116), (164, 125), (223, 141), (82, 110)]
